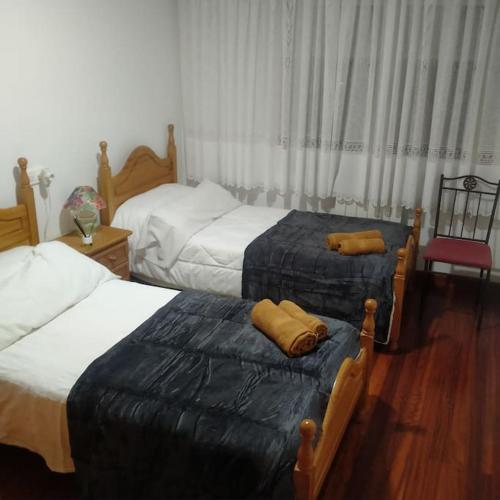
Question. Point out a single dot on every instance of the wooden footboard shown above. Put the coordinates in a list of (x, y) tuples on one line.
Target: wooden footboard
[(405, 272), (349, 389)]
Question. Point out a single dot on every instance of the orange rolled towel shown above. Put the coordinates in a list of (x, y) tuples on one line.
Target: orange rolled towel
[(312, 322), (360, 247), (292, 336), (333, 239)]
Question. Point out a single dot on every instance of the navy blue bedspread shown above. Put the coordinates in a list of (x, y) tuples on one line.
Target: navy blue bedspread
[(291, 261), (198, 403)]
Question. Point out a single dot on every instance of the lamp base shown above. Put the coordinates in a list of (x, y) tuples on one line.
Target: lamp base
[(87, 240)]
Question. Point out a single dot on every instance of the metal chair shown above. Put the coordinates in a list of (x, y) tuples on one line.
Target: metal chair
[(453, 248)]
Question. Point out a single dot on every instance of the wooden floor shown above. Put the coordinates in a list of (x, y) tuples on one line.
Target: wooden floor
[(432, 426), (431, 429)]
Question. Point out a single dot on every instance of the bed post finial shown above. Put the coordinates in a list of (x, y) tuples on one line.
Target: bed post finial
[(366, 338), (105, 185), (418, 214), (172, 152), (399, 287), (417, 224), (28, 199), (306, 451), (23, 165), (369, 321), (304, 468), (401, 264), (103, 145)]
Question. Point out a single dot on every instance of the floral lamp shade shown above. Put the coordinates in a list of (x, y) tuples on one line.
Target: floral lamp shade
[(84, 204), (85, 198)]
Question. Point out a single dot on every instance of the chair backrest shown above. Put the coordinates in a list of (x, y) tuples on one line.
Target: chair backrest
[(475, 196)]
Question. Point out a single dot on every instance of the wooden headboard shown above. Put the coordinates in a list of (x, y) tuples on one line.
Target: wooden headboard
[(18, 225), (143, 170)]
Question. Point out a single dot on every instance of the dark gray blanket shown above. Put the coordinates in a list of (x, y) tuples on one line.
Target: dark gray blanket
[(291, 261), (198, 403)]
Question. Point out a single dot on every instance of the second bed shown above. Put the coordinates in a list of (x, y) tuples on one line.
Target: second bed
[(214, 243)]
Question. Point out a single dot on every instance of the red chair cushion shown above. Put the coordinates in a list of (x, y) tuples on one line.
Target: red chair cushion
[(459, 252)]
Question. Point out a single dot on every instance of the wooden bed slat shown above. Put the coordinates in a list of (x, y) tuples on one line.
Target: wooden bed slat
[(18, 224), (14, 227)]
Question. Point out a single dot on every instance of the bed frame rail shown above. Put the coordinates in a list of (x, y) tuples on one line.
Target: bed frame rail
[(18, 225), (403, 277)]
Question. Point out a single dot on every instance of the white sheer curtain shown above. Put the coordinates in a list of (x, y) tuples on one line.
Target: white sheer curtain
[(365, 100)]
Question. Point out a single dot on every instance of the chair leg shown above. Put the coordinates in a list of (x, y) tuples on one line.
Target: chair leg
[(478, 295), (481, 301)]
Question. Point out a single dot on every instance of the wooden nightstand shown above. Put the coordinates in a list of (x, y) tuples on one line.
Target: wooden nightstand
[(110, 248)]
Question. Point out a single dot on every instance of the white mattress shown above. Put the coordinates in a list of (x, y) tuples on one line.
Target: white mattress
[(212, 260), (38, 371)]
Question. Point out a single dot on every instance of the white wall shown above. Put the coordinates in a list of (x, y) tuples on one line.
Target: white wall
[(73, 73)]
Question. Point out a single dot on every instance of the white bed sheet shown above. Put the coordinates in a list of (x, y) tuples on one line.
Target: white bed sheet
[(212, 260), (38, 372)]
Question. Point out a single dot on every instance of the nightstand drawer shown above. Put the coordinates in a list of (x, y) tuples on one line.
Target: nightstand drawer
[(110, 248), (114, 256), (122, 270)]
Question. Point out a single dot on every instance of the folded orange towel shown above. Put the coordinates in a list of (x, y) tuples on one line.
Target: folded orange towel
[(359, 247), (333, 239), (292, 336), (312, 322)]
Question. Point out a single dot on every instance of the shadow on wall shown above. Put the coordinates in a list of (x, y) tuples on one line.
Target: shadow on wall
[(66, 224), (16, 175)]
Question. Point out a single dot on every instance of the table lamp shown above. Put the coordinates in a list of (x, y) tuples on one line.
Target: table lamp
[(84, 204)]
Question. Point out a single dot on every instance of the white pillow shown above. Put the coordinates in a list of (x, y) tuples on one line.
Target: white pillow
[(134, 213), (11, 260), (171, 226), (40, 284)]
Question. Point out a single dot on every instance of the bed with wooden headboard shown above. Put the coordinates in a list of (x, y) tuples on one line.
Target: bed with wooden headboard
[(18, 225), (145, 170)]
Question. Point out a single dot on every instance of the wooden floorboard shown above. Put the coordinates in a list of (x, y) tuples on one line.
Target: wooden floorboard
[(431, 426)]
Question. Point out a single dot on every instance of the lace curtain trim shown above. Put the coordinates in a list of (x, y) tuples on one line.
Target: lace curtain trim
[(483, 157)]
